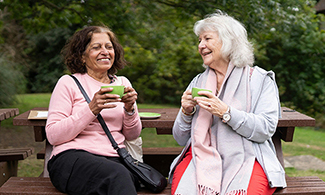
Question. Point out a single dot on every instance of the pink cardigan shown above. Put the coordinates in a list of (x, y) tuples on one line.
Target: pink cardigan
[(71, 124)]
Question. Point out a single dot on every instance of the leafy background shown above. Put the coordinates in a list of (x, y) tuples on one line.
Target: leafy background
[(160, 44)]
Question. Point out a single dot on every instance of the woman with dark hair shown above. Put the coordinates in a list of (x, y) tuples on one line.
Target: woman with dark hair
[(83, 160), (227, 132)]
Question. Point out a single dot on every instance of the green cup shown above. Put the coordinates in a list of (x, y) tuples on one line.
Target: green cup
[(195, 90), (117, 89)]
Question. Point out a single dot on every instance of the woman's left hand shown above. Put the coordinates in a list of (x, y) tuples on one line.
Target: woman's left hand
[(129, 98), (211, 103)]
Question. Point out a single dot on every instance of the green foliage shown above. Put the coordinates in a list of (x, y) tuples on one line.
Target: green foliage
[(12, 44), (161, 47), (294, 48), (41, 16), (11, 82), (161, 72), (46, 65), (49, 24)]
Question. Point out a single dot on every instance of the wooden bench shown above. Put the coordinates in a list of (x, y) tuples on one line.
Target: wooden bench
[(43, 185), (9, 157), (160, 158), (303, 185), (9, 162)]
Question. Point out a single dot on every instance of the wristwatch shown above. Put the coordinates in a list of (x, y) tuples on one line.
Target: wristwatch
[(226, 116)]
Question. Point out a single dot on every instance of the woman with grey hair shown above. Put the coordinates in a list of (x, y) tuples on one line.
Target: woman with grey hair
[(227, 132)]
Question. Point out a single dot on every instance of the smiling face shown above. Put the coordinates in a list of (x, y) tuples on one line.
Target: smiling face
[(209, 48), (99, 55)]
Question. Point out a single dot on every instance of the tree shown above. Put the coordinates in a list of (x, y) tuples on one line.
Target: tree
[(287, 40), (162, 49), (48, 24), (294, 47), (12, 80)]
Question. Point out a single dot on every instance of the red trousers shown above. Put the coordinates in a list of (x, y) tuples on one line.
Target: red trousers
[(258, 184)]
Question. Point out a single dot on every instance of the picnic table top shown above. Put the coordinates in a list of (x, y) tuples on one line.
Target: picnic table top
[(290, 118), (163, 124), (8, 112)]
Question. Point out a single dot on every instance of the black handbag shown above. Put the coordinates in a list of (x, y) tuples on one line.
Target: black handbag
[(148, 176)]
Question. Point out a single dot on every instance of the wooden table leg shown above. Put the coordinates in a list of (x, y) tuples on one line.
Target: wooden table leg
[(278, 147), (8, 169)]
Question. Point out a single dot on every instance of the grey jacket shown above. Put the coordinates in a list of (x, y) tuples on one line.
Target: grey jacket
[(257, 126)]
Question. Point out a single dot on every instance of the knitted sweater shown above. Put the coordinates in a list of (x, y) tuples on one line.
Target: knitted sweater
[(72, 125)]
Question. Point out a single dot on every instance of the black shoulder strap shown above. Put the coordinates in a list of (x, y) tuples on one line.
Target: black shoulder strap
[(99, 116)]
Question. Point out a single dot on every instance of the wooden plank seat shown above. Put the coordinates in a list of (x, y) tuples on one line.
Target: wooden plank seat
[(303, 185), (153, 156), (9, 161), (42, 185), (163, 156), (15, 154)]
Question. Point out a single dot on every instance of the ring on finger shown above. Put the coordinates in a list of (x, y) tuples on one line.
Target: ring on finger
[(209, 105)]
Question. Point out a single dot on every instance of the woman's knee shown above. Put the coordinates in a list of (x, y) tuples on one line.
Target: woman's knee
[(116, 170), (116, 179)]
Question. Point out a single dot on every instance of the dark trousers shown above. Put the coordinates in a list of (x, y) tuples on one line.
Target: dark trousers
[(80, 172)]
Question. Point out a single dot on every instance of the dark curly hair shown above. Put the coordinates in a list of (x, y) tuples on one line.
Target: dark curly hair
[(74, 49)]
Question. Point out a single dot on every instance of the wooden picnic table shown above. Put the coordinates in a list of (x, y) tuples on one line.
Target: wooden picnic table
[(163, 125), (286, 125), (9, 157), (6, 113)]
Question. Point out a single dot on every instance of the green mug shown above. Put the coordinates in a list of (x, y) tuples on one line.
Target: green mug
[(195, 90), (117, 89)]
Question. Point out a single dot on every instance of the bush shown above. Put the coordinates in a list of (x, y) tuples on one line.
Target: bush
[(293, 46), (11, 82)]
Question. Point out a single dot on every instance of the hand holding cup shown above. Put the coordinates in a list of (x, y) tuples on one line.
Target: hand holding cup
[(117, 89), (105, 98), (195, 91)]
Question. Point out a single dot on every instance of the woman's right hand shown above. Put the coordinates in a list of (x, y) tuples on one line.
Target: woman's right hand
[(188, 102), (102, 100)]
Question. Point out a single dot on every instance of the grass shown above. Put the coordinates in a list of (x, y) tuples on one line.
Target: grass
[(26, 102), (306, 141)]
